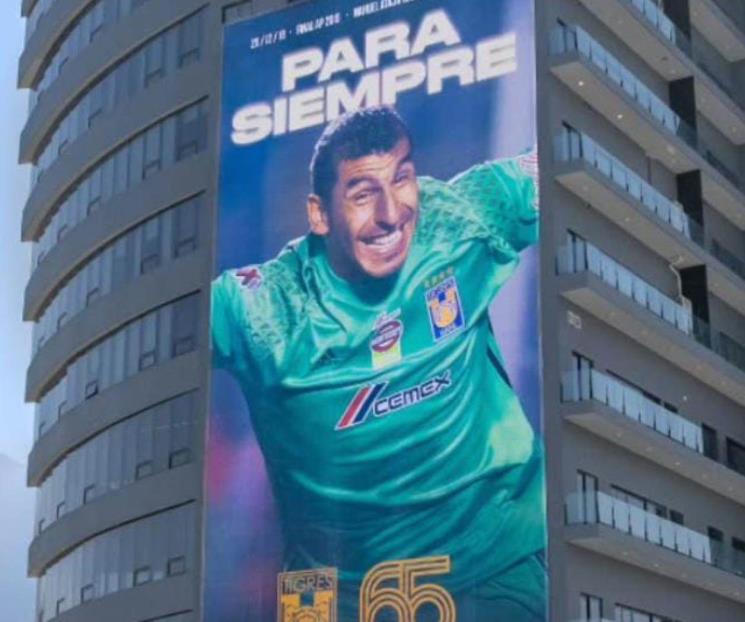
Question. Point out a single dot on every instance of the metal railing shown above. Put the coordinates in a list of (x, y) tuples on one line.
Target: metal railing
[(590, 384), (581, 256)]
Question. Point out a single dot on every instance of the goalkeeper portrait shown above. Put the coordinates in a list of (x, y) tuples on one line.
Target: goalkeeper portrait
[(377, 390)]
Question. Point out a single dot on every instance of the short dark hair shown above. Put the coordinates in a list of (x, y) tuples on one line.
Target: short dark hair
[(353, 135)]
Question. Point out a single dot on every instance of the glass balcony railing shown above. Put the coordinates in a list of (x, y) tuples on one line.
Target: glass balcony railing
[(590, 384), (654, 14), (575, 39), (580, 256), (728, 258), (572, 145), (720, 343), (597, 508)]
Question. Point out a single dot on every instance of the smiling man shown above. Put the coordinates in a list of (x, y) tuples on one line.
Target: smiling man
[(376, 388)]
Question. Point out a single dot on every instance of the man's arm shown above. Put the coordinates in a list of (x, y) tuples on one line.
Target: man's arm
[(503, 197)]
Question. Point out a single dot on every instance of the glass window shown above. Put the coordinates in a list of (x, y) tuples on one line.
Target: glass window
[(736, 456), (184, 326), (190, 132), (155, 67), (185, 237), (190, 40), (590, 608)]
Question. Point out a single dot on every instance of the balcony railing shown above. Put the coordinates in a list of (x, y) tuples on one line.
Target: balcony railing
[(728, 258), (572, 145), (567, 38), (722, 344), (579, 386), (580, 256), (597, 508), (663, 24)]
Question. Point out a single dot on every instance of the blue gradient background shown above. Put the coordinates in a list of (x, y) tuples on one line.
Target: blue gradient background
[(262, 198)]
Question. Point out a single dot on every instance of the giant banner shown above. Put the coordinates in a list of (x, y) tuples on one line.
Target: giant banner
[(375, 446)]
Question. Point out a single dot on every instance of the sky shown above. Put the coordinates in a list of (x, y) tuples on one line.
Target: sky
[(16, 417)]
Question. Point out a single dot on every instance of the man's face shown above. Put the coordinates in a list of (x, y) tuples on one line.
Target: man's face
[(370, 222)]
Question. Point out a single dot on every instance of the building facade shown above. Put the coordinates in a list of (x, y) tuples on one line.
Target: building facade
[(642, 127)]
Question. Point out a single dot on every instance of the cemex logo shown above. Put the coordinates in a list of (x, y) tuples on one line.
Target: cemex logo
[(369, 400)]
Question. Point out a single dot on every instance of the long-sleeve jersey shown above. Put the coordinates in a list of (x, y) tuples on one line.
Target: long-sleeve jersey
[(388, 424)]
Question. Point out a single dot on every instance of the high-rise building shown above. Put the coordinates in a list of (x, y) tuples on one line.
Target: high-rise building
[(641, 134)]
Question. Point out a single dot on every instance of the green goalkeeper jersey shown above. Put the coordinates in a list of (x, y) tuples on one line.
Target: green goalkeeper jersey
[(388, 424)]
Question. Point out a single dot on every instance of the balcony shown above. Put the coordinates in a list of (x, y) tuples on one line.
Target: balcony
[(623, 416), (645, 27), (598, 78), (601, 286), (725, 31), (624, 198), (611, 527)]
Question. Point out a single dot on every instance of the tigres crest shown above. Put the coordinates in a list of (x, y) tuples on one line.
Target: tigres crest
[(307, 596)]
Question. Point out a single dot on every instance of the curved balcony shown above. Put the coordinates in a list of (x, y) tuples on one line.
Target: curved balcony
[(185, 179), (156, 549), (93, 61), (111, 314), (143, 497), (612, 527), (153, 386)]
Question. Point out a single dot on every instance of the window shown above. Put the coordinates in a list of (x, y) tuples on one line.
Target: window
[(176, 566), (711, 444), (144, 469), (87, 593), (581, 387), (738, 545), (154, 60), (185, 225), (91, 389), (153, 150), (190, 131), (735, 456), (97, 20), (148, 341), (89, 493), (189, 40), (60, 509), (587, 498), (590, 608), (150, 246), (60, 607), (179, 458), (142, 575), (95, 104), (642, 503), (184, 326), (677, 517)]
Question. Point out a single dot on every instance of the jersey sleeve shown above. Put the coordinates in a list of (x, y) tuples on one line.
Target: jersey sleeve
[(229, 323), (503, 197)]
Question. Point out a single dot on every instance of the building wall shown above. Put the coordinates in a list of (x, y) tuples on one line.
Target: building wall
[(90, 219)]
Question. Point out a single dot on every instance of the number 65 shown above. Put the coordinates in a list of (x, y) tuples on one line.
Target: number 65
[(406, 597)]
